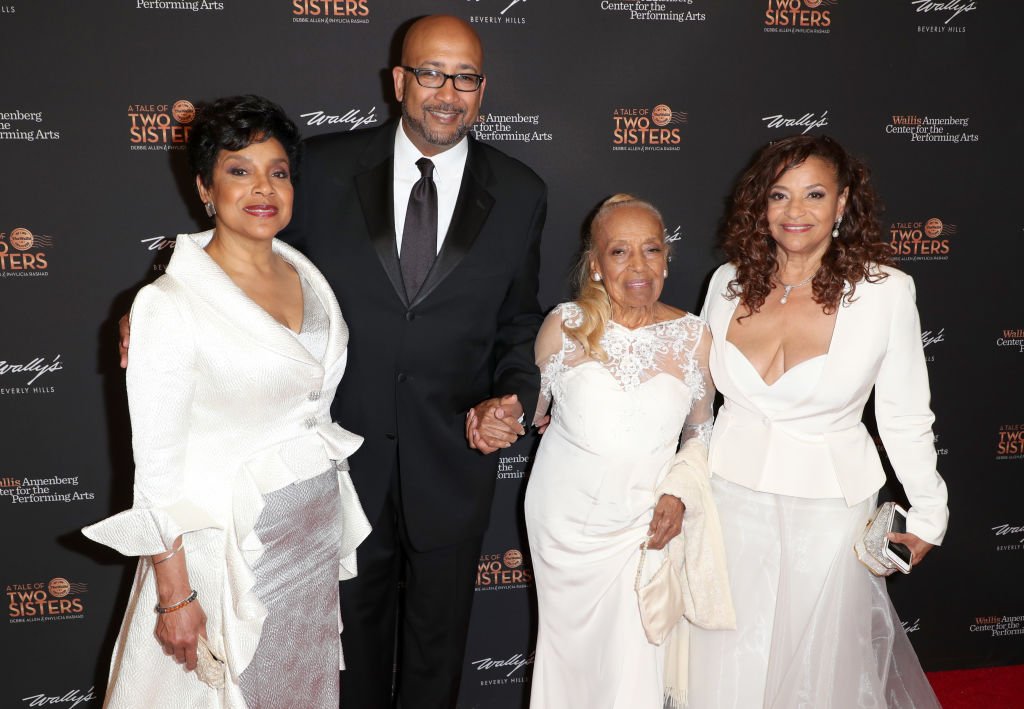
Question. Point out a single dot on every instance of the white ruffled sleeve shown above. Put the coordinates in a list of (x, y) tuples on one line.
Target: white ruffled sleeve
[(160, 384)]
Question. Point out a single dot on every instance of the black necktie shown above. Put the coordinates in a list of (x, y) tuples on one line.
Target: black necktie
[(419, 239)]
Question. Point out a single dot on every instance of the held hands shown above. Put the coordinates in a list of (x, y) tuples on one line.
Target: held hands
[(918, 547), (667, 522), (494, 423), (124, 327), (178, 632)]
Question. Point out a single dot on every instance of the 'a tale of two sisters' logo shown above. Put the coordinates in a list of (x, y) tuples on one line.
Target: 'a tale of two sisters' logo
[(42, 601), (799, 16), (331, 12), (1010, 444), (926, 240), (503, 572), (647, 129), (23, 253), (160, 126)]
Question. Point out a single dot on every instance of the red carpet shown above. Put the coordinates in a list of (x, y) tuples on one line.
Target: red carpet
[(986, 688)]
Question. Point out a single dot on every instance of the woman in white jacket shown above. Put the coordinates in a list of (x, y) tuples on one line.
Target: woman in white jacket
[(244, 517), (808, 317)]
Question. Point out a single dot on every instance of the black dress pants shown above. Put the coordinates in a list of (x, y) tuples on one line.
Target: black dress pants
[(429, 629)]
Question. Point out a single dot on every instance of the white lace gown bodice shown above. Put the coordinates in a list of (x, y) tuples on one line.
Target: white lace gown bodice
[(605, 407), (615, 426)]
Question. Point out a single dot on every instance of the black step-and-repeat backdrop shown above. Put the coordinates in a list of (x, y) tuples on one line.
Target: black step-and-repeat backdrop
[(667, 99)]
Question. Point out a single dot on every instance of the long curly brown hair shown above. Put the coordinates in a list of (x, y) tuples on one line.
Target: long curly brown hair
[(852, 257)]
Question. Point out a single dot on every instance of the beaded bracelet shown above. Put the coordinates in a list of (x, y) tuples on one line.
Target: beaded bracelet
[(176, 606), (173, 552)]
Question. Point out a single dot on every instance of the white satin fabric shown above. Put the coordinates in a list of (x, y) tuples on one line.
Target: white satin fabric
[(815, 630)]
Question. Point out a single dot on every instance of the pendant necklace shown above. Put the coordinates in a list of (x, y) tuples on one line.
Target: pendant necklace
[(788, 287)]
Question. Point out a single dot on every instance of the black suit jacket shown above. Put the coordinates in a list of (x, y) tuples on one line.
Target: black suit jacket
[(416, 366)]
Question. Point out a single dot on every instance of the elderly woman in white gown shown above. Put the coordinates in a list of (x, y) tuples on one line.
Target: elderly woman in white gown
[(627, 375)]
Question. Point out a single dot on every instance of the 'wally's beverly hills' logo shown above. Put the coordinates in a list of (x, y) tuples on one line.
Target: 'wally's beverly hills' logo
[(495, 12), (804, 123), (68, 700), (921, 240), (1009, 537), (351, 119), (23, 253), (939, 15), (331, 12), (503, 670), (21, 377), (647, 129), (160, 126), (799, 16)]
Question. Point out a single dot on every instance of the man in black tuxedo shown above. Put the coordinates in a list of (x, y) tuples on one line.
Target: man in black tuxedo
[(436, 268)]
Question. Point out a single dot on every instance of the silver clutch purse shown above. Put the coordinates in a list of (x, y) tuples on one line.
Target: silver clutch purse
[(870, 548)]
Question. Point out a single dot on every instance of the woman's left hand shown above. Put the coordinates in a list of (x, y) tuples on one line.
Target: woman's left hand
[(667, 522), (918, 547)]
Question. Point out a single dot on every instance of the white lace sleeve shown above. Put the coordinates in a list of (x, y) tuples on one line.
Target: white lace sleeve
[(698, 377), (549, 356)]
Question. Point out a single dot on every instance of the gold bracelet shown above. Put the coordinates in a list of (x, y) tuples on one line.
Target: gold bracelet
[(176, 606), (173, 552)]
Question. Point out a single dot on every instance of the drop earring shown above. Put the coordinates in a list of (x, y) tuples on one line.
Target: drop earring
[(665, 274), (835, 229), (596, 276), (211, 211)]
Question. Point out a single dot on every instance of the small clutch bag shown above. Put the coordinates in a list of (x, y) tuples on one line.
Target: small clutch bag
[(209, 668), (661, 598), (870, 548)]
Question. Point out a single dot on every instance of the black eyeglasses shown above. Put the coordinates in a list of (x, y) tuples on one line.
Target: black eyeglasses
[(434, 79)]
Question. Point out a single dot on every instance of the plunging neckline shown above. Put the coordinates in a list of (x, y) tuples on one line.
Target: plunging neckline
[(825, 354), (795, 367)]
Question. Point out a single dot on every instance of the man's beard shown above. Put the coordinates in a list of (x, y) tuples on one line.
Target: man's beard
[(441, 140)]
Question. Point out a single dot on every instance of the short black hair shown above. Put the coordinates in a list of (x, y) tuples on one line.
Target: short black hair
[(234, 123)]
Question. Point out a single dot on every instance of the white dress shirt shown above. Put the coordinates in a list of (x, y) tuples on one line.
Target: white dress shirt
[(448, 168)]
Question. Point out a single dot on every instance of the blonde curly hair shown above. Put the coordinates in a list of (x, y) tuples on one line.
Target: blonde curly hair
[(591, 296)]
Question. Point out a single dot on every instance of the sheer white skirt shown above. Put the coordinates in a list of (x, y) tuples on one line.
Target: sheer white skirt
[(814, 628)]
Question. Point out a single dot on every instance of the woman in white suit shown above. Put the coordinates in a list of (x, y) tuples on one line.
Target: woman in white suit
[(808, 317), (244, 517)]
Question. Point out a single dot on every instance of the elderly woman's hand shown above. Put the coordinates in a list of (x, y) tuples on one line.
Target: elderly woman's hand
[(918, 547), (178, 632), (667, 521)]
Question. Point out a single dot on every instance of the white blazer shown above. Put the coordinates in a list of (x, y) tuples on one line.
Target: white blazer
[(226, 406), (876, 344)]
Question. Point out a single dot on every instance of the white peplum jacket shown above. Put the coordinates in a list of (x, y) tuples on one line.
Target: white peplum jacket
[(226, 406), (818, 447)]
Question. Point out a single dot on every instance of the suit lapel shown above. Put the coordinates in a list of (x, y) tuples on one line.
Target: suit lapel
[(201, 275), (471, 209), (376, 196)]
